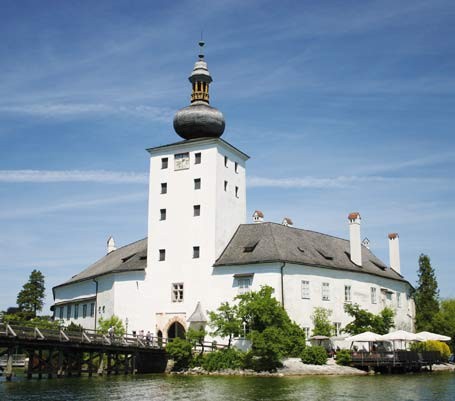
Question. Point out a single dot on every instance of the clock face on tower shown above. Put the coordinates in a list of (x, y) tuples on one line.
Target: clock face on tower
[(181, 161)]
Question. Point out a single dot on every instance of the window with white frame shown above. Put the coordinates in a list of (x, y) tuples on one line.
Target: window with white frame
[(374, 295), (305, 289), (196, 252), (398, 300), (84, 310), (244, 284), (163, 188), (162, 255), (162, 214), (325, 291), (337, 328), (307, 332), (76, 311), (177, 292), (68, 311), (197, 158), (164, 163), (197, 183), (61, 313), (347, 293), (92, 309)]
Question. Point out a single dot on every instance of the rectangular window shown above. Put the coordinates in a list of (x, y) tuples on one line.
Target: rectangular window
[(196, 210), (398, 300), (236, 192), (195, 252), (225, 186), (197, 183), (236, 167), (92, 309), (162, 255), (68, 311), (337, 328), (197, 158), (225, 161), (164, 163), (164, 188), (325, 292), (84, 310), (76, 311), (374, 298), (181, 161), (162, 214), (305, 289), (307, 332), (177, 292), (61, 313), (347, 293), (244, 284)]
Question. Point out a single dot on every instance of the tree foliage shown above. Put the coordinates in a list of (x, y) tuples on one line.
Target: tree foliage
[(426, 295), (367, 321), (321, 322), (444, 320), (115, 322), (30, 299), (226, 322), (196, 337), (181, 351), (315, 355)]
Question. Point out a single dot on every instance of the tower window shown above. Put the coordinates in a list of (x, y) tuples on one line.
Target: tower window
[(195, 252), (177, 292), (196, 210), (84, 310), (162, 214), (236, 192), (347, 293), (68, 311), (197, 158), (76, 311), (162, 255), (325, 291), (164, 188), (305, 289), (197, 183), (236, 167), (164, 163), (92, 309), (225, 185), (225, 161)]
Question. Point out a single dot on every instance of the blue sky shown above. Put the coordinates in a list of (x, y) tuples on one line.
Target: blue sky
[(342, 105)]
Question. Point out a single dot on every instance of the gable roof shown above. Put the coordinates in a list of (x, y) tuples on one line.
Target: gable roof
[(131, 257), (278, 243)]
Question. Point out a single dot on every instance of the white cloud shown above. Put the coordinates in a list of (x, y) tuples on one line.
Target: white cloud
[(48, 176)]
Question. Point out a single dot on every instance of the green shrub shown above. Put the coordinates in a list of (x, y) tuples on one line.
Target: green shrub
[(267, 349), (432, 345), (315, 355), (181, 352), (224, 359), (343, 357)]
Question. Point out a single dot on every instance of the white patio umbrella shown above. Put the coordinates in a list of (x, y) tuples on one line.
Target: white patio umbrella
[(426, 335), (366, 337), (403, 336)]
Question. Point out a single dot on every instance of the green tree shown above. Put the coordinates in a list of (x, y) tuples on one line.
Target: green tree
[(31, 298), (225, 322), (444, 320), (367, 321), (426, 295), (181, 351), (196, 337), (321, 322), (115, 322)]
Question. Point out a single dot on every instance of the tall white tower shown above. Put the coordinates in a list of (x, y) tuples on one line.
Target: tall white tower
[(197, 199)]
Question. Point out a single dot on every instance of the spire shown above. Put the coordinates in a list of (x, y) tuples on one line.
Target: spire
[(200, 78)]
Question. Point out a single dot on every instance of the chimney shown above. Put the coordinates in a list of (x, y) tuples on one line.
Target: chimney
[(354, 238), (111, 245), (287, 222), (258, 216), (394, 252)]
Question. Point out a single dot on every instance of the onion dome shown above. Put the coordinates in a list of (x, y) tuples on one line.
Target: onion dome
[(199, 119)]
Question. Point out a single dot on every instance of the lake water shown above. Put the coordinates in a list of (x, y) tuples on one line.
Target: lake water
[(421, 387)]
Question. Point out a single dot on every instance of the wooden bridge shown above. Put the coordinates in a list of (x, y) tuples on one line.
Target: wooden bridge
[(65, 353)]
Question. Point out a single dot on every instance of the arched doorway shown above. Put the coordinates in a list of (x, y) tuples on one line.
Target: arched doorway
[(175, 330)]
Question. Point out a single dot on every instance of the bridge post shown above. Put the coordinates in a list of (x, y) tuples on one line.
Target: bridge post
[(101, 364), (90, 364), (60, 363), (40, 363), (31, 356), (9, 364), (109, 363)]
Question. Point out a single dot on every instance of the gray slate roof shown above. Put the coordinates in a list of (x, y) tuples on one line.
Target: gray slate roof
[(273, 242), (131, 257)]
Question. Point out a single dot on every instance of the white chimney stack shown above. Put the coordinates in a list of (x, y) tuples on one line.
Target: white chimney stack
[(258, 216), (394, 252), (111, 245), (354, 238)]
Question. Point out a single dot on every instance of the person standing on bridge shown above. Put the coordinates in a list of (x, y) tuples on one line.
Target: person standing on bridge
[(148, 338), (110, 331)]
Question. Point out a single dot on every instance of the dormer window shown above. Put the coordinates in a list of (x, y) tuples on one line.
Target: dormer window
[(250, 246), (324, 255)]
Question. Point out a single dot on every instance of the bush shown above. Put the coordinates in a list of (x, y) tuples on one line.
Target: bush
[(432, 345), (315, 355), (224, 359), (343, 357), (267, 349), (181, 352)]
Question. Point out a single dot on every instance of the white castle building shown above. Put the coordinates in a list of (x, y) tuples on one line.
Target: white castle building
[(201, 251)]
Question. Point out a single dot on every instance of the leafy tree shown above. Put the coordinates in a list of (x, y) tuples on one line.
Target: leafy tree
[(41, 322), (444, 320), (225, 322), (367, 321), (315, 355), (321, 322), (196, 337), (115, 322), (426, 295), (181, 351), (31, 298)]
